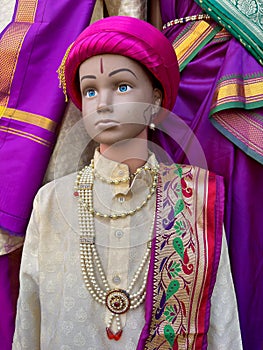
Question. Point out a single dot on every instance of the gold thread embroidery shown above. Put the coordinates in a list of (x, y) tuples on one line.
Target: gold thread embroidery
[(26, 11), (231, 91), (243, 128), (11, 43), (25, 135), (61, 73), (10, 46), (182, 46), (185, 330)]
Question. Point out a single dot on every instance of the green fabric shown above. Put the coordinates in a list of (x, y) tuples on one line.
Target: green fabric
[(242, 18)]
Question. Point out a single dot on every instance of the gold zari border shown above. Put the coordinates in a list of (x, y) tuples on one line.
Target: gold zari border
[(26, 11), (30, 118), (183, 47), (11, 43), (243, 127), (230, 91), (25, 135), (186, 327), (186, 45)]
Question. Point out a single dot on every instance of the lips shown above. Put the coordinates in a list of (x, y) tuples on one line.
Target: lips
[(107, 123)]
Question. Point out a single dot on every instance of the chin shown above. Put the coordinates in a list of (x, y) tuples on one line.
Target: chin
[(109, 141)]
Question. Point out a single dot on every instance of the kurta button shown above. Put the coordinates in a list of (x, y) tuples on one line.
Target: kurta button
[(119, 233), (116, 279), (121, 199)]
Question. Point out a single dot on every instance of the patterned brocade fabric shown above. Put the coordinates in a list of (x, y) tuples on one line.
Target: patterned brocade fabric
[(9, 243), (242, 18), (133, 8), (187, 250)]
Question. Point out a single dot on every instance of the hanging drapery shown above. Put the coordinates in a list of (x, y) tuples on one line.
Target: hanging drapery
[(31, 103), (31, 109), (221, 83)]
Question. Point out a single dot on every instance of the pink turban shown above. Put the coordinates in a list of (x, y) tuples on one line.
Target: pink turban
[(130, 37)]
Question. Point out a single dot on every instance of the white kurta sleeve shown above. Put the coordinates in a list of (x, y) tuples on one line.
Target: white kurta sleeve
[(224, 331), (27, 332)]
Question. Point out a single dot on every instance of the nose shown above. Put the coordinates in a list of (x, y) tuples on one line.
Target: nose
[(104, 101)]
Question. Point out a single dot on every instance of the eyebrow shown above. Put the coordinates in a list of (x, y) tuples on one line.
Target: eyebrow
[(110, 74), (122, 70), (88, 77)]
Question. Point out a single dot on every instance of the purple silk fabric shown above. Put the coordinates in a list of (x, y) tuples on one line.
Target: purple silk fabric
[(9, 271), (23, 162), (242, 174), (35, 90)]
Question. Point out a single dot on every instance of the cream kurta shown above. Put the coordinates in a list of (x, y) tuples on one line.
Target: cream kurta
[(55, 310)]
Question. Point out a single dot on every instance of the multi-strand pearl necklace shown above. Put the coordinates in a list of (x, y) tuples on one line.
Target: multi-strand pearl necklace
[(117, 301)]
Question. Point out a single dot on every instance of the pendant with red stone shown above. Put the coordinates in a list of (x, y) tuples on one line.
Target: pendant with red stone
[(118, 302), (115, 336)]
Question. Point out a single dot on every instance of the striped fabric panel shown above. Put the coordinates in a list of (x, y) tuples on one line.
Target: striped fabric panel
[(243, 128), (238, 91), (28, 118), (192, 39), (26, 135)]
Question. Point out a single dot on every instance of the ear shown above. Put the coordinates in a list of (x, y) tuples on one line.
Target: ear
[(157, 97), (157, 101)]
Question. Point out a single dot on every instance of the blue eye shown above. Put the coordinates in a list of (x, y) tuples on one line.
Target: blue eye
[(90, 93), (124, 88)]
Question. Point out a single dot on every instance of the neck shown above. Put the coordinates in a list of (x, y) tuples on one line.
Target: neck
[(132, 152)]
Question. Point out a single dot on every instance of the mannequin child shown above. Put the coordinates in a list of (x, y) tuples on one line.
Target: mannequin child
[(126, 253)]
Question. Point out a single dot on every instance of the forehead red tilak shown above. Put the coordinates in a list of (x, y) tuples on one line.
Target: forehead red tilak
[(101, 65)]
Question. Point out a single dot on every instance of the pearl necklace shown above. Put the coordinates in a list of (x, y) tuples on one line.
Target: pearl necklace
[(89, 204), (117, 301)]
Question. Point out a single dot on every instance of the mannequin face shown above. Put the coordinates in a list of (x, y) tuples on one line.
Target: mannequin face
[(108, 84)]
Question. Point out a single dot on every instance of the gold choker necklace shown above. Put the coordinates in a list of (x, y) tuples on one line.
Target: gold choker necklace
[(117, 215), (125, 179)]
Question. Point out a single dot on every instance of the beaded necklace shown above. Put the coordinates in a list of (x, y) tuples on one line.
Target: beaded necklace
[(118, 301), (173, 22), (125, 179), (89, 203)]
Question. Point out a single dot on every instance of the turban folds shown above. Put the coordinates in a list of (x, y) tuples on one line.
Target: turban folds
[(130, 37)]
